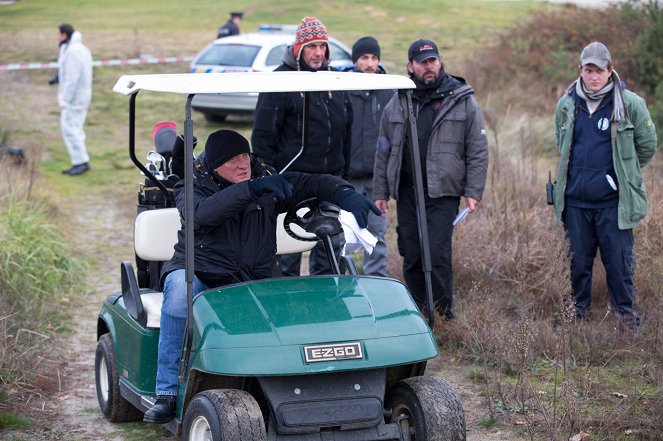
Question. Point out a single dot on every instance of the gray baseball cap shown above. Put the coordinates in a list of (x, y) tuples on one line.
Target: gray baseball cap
[(597, 54)]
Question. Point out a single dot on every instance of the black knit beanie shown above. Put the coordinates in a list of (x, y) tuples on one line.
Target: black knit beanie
[(224, 145), (365, 45)]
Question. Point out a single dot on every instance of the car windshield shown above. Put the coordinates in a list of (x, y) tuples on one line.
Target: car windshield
[(230, 55), (337, 53), (275, 55)]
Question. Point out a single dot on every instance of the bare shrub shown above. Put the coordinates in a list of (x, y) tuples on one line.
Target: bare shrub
[(532, 64), (515, 315)]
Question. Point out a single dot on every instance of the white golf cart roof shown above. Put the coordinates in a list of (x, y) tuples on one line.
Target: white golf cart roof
[(241, 82)]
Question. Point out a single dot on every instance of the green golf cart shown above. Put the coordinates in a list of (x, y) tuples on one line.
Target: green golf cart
[(320, 358)]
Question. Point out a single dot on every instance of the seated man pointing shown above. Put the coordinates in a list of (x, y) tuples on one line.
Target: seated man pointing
[(236, 202)]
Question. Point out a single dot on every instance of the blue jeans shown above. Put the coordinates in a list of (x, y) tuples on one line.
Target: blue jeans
[(173, 324)]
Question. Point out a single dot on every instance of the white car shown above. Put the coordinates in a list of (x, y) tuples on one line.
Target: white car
[(254, 52)]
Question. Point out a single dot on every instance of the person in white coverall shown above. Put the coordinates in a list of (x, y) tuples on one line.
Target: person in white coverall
[(74, 96)]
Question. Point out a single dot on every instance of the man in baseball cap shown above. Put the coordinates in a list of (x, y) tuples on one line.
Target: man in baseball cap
[(422, 50), (600, 194), (597, 54), (440, 99), (424, 62)]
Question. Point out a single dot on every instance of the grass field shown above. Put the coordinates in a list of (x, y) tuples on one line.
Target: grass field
[(125, 29)]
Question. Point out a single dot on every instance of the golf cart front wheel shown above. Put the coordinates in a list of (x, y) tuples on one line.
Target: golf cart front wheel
[(223, 415), (429, 408), (114, 407)]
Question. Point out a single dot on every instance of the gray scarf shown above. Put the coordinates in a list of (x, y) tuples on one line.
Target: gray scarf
[(618, 113)]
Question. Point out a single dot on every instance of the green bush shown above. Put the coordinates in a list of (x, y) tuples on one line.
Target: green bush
[(35, 266), (37, 273), (649, 59)]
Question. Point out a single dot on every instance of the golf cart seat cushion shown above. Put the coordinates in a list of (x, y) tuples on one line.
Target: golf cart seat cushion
[(152, 303), (155, 234)]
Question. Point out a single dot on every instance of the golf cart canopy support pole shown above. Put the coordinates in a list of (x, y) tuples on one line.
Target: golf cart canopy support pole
[(132, 146), (305, 117), (422, 222), (188, 235)]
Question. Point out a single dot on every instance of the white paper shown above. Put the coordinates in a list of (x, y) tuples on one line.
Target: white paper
[(461, 216), (355, 238)]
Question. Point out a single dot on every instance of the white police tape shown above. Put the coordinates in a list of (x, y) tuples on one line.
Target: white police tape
[(98, 63)]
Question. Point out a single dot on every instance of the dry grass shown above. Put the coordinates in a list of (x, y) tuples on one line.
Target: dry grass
[(512, 272), (512, 275)]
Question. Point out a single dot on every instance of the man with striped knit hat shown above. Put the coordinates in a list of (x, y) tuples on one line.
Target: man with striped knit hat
[(277, 128)]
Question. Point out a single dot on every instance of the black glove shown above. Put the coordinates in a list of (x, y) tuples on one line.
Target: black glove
[(277, 184), (356, 203), (54, 80)]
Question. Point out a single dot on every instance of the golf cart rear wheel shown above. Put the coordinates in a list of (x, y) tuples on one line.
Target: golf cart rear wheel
[(223, 415), (431, 409), (114, 407)]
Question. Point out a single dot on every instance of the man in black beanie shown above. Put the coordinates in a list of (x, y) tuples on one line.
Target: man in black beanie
[(236, 201), (367, 107)]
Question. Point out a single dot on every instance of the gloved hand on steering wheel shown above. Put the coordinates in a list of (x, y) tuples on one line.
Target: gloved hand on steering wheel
[(356, 203), (277, 184)]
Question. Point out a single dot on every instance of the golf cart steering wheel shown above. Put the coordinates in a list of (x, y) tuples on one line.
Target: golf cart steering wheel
[(321, 219)]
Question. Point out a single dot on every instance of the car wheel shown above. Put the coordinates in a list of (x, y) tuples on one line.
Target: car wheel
[(223, 415), (114, 407), (215, 117), (431, 409)]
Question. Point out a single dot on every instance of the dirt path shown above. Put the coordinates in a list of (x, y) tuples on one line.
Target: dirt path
[(71, 412)]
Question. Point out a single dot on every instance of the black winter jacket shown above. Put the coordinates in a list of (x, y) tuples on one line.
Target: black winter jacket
[(235, 232), (277, 127), (367, 107)]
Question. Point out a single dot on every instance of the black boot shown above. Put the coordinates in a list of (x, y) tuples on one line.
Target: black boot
[(77, 169), (162, 411)]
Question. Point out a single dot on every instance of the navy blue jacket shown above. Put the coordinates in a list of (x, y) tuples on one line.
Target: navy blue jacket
[(590, 161)]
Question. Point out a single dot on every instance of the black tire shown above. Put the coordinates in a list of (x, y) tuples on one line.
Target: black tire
[(223, 415), (432, 408), (215, 117), (114, 407)]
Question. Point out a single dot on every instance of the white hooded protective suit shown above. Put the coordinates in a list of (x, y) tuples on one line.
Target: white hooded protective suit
[(74, 95)]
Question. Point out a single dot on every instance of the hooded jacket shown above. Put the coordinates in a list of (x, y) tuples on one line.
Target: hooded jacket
[(633, 144), (75, 73), (456, 152), (235, 231), (277, 127)]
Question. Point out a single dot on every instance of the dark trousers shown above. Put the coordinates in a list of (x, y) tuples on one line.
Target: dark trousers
[(318, 263), (588, 229), (440, 213)]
